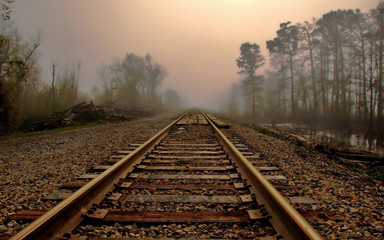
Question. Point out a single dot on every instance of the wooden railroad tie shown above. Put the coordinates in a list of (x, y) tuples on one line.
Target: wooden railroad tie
[(176, 217)]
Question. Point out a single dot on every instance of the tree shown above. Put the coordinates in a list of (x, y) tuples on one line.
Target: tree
[(234, 104), (380, 33), (336, 34), (17, 67), (249, 61), (371, 65), (286, 43), (308, 31), (67, 87), (110, 81), (278, 62), (155, 75), (172, 100), (359, 27)]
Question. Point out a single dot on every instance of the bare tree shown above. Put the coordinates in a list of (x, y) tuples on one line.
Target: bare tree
[(17, 67), (133, 82)]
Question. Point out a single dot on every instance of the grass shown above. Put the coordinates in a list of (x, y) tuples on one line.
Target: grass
[(264, 131), (39, 133), (267, 132)]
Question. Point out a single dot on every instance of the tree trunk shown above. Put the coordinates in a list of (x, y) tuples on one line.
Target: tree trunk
[(53, 89), (380, 82), (371, 108), (365, 107), (282, 86), (323, 69), (253, 96), (336, 79), (314, 91), (293, 109), (343, 82)]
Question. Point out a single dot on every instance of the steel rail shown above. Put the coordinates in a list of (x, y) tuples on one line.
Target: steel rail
[(65, 216), (285, 219)]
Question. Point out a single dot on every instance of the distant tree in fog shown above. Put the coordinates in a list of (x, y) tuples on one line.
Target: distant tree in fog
[(286, 44), (249, 61), (336, 69), (156, 73), (234, 105), (172, 100), (133, 82), (110, 84), (335, 35), (67, 87), (309, 43)]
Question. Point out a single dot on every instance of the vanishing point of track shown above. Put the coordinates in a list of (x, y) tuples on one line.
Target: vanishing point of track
[(187, 173)]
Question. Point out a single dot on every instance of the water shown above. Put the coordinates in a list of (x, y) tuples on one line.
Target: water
[(358, 141)]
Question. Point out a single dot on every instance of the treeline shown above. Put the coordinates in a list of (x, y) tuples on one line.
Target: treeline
[(132, 83), (19, 77), (328, 70), (24, 96)]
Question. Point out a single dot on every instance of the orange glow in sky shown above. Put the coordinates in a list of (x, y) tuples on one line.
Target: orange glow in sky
[(197, 41)]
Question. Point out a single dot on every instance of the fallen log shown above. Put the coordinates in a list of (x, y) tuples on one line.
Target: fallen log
[(345, 153), (360, 156), (299, 140)]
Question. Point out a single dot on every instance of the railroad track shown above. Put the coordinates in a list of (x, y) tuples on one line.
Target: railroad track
[(188, 181)]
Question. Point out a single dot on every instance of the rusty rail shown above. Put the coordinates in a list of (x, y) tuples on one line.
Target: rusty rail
[(65, 216), (285, 219)]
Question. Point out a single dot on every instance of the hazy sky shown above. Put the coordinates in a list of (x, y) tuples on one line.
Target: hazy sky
[(197, 41)]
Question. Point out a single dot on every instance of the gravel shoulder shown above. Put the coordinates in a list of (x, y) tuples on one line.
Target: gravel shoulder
[(349, 205), (32, 167)]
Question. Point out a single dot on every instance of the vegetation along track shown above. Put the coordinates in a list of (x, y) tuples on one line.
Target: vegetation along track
[(188, 181)]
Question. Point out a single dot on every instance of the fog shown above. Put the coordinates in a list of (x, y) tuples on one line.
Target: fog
[(196, 41)]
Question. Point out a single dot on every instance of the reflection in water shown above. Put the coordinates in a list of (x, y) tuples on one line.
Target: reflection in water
[(358, 141), (355, 140)]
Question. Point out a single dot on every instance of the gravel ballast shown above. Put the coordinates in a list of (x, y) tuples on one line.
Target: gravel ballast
[(32, 167), (349, 205)]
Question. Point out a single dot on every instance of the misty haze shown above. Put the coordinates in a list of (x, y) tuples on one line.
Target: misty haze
[(305, 73)]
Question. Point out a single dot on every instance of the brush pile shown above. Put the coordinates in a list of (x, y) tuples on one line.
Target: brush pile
[(83, 113)]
